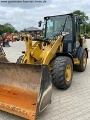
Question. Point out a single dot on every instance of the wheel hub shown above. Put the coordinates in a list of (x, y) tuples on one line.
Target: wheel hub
[(68, 72), (84, 61)]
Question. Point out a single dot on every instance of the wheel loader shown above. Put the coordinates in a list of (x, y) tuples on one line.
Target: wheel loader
[(26, 86)]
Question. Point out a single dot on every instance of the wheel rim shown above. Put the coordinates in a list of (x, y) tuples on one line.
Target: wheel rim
[(84, 60), (68, 73)]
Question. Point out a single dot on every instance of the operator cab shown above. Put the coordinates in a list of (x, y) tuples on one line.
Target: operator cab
[(68, 24)]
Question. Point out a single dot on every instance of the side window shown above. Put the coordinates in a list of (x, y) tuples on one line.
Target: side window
[(49, 28), (68, 29)]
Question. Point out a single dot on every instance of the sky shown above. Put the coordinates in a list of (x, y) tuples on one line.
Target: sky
[(26, 13)]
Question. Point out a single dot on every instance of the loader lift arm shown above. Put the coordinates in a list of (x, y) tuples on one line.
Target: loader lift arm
[(42, 50)]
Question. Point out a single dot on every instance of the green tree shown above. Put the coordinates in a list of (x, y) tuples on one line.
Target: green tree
[(85, 19), (7, 28), (88, 28), (84, 16)]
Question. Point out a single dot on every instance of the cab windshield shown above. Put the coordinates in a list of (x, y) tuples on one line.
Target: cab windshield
[(58, 24)]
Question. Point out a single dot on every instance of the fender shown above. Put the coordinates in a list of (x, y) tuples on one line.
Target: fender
[(80, 52), (65, 54)]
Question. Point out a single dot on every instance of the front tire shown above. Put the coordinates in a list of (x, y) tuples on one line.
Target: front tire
[(62, 72)]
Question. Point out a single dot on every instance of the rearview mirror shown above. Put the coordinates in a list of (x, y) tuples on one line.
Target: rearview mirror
[(39, 23), (79, 20)]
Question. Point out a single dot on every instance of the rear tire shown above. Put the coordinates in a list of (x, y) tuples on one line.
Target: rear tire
[(83, 63), (19, 59), (62, 72)]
